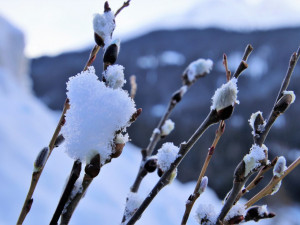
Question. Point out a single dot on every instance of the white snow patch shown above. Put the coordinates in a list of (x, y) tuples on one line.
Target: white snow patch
[(199, 68), (167, 128), (104, 25), (225, 96), (166, 155), (237, 210), (121, 138), (147, 62), (133, 202), (96, 113), (114, 76), (206, 212), (252, 121), (252, 160), (262, 210), (171, 58), (276, 188)]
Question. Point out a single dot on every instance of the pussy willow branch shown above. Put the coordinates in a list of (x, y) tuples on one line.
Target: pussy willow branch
[(257, 179), (193, 197), (273, 116), (36, 175), (275, 180), (75, 172), (239, 179), (211, 119), (155, 139)]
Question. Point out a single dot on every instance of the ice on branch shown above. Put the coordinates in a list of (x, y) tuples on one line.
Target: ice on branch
[(167, 128), (206, 214), (198, 68), (133, 202), (114, 76), (237, 210), (225, 96), (166, 155), (96, 113), (257, 117), (291, 93), (254, 159), (279, 167), (104, 25)]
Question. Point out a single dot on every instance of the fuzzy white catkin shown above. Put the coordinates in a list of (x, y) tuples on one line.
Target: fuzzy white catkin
[(114, 76), (252, 160), (225, 96), (104, 25), (167, 128), (166, 155), (96, 113), (198, 68), (279, 167), (290, 93)]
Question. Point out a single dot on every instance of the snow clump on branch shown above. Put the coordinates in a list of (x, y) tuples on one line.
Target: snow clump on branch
[(167, 128), (166, 155), (198, 68), (114, 76), (104, 25), (96, 113), (206, 214), (254, 158), (225, 96)]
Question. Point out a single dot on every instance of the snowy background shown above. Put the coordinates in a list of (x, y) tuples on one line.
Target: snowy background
[(26, 124)]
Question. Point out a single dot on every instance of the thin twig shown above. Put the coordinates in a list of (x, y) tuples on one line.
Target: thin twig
[(228, 72), (36, 174), (92, 57), (125, 4), (275, 180), (243, 65), (193, 197)]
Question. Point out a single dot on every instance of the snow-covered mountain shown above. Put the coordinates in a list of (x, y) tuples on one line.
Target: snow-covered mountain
[(59, 26)]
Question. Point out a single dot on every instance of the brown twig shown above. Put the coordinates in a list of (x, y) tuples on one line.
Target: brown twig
[(125, 4), (196, 194), (275, 180), (36, 174), (225, 63), (243, 64)]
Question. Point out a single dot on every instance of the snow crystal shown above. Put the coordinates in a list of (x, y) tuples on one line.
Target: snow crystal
[(121, 139), (262, 210), (237, 210), (104, 25), (166, 155), (276, 188), (167, 128), (198, 68), (290, 93), (279, 167), (206, 214), (133, 202), (114, 76), (252, 121), (225, 96), (252, 160), (96, 113)]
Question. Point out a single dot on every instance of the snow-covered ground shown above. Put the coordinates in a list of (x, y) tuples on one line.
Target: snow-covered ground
[(26, 126)]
